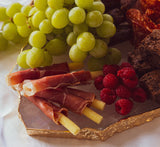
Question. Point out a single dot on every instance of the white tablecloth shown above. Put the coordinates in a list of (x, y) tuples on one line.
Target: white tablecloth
[(13, 133)]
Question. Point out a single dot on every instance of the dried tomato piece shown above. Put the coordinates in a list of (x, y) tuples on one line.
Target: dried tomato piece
[(154, 15)]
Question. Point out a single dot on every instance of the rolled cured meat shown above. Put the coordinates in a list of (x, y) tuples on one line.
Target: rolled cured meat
[(36, 73), (72, 102), (31, 87), (49, 109)]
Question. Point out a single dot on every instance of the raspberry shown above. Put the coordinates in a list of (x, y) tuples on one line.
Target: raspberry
[(139, 95), (123, 92), (110, 81), (125, 64), (108, 95), (110, 69), (98, 82), (128, 77), (123, 106)]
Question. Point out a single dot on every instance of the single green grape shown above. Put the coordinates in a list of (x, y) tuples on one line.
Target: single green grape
[(68, 29), (49, 12), (9, 31), (113, 56), (97, 5), (3, 15), (35, 57), (100, 50), (69, 2), (40, 4), (94, 19), (13, 9), (106, 30), (77, 55), (46, 26), (57, 31), (4, 23), (48, 59), (37, 18), (108, 17), (56, 4), (37, 39), (26, 9), (24, 31), (3, 43), (86, 41), (19, 19), (71, 38), (21, 59), (32, 11), (80, 28), (56, 47), (77, 15), (84, 3), (60, 18)]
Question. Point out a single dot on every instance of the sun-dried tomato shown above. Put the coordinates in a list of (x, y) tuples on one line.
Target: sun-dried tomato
[(154, 15)]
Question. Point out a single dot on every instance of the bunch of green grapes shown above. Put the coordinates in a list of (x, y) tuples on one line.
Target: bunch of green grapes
[(78, 25)]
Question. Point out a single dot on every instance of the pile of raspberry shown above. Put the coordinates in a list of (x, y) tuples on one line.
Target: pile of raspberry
[(120, 82)]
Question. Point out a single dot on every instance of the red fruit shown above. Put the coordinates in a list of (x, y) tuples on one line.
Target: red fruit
[(110, 81), (139, 95), (123, 92), (110, 69), (98, 82), (123, 106), (130, 83), (108, 96), (125, 64)]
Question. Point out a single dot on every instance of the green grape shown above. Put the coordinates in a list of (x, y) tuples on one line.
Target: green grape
[(56, 4), (13, 9), (49, 12), (3, 43), (71, 38), (84, 3), (19, 19), (80, 28), (106, 30), (21, 59), (46, 26), (107, 17), (97, 5), (95, 64), (26, 9), (77, 15), (60, 18), (9, 31), (68, 29), (56, 47), (37, 39), (35, 57), (40, 4), (3, 15), (37, 18), (57, 31), (32, 11), (77, 55), (48, 59), (69, 2), (86, 41), (17, 39), (4, 23), (24, 31), (113, 56), (100, 50), (94, 19)]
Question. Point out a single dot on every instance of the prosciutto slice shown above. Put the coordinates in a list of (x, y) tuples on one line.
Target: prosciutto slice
[(36, 73), (31, 87), (49, 109), (72, 102)]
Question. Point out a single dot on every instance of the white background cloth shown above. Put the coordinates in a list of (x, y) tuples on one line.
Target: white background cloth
[(13, 133)]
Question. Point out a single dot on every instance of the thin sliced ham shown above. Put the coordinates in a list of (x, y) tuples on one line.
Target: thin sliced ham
[(49, 109), (31, 87), (72, 102), (36, 73)]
